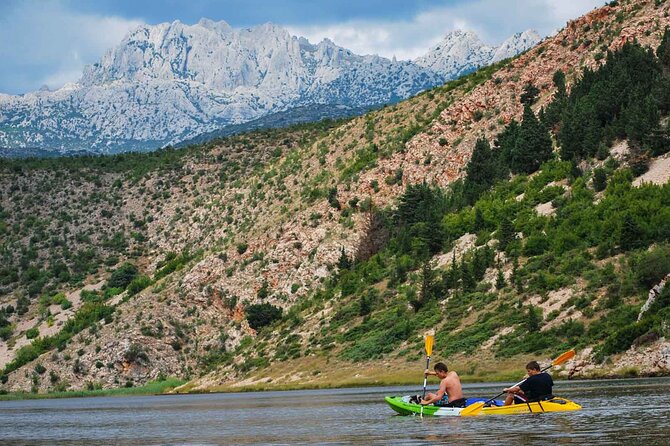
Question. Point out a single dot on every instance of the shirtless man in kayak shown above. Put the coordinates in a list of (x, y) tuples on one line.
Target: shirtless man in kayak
[(450, 393)]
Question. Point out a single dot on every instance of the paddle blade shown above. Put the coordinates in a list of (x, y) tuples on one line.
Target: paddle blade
[(564, 357), (472, 409), (430, 340)]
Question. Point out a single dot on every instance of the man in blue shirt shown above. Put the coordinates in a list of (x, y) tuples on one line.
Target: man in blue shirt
[(537, 387)]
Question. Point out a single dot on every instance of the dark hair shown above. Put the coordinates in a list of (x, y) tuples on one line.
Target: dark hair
[(533, 365), (441, 367)]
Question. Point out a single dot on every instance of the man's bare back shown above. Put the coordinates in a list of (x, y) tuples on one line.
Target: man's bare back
[(452, 386)]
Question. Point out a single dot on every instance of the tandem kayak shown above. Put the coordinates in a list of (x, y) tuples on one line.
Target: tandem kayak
[(402, 405)]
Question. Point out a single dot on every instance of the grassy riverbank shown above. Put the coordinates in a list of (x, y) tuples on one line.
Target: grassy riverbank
[(321, 373), (151, 388), (307, 374), (326, 373)]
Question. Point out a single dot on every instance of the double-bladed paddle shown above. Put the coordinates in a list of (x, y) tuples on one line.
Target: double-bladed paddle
[(474, 409)]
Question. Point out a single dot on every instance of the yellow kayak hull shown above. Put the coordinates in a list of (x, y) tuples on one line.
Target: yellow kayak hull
[(553, 405)]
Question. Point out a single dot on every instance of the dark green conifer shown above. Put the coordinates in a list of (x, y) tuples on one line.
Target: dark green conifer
[(500, 280), (632, 235), (529, 94), (663, 51), (506, 233), (481, 171), (344, 262), (468, 281), (533, 144), (480, 223)]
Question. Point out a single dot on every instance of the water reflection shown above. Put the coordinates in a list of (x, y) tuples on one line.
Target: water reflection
[(615, 412)]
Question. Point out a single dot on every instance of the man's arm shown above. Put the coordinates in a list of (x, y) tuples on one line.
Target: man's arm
[(440, 393), (515, 389)]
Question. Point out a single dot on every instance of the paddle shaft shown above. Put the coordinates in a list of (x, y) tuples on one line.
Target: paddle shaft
[(425, 377), (518, 384)]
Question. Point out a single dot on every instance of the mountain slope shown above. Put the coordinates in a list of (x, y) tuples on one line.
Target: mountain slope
[(300, 226)]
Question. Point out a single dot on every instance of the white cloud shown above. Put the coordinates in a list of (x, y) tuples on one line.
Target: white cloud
[(42, 42), (493, 20)]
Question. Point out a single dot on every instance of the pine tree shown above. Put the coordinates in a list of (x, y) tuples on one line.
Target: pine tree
[(533, 144), (500, 280), (529, 95), (450, 278), (632, 235), (468, 281), (599, 179), (552, 113), (264, 290), (480, 222), (533, 319), (559, 83), (365, 306), (332, 198), (480, 173), (506, 233), (427, 282), (506, 141), (663, 51), (418, 220), (640, 117), (343, 262)]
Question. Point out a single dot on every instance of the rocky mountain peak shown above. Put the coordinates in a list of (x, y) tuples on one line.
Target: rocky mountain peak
[(516, 44), (172, 81), (463, 51)]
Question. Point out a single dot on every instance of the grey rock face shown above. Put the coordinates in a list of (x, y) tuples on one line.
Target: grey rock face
[(461, 52), (170, 82)]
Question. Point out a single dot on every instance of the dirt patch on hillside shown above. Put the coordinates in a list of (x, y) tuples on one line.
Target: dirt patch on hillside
[(658, 173)]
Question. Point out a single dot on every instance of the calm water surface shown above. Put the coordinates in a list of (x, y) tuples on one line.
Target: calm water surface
[(615, 412)]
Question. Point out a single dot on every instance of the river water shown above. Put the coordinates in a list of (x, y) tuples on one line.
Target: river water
[(614, 412)]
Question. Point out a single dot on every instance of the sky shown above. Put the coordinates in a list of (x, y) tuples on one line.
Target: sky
[(48, 42)]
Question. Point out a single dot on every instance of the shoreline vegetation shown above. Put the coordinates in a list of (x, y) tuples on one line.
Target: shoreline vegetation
[(176, 386), (502, 377), (151, 388), (404, 377)]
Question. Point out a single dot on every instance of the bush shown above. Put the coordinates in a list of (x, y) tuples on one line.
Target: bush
[(6, 332), (172, 262), (622, 339), (135, 354), (261, 315), (599, 179), (122, 276), (32, 333), (138, 284), (535, 245), (651, 267), (376, 344)]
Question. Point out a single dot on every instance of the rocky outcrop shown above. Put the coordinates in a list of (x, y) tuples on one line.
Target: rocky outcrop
[(653, 295)]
